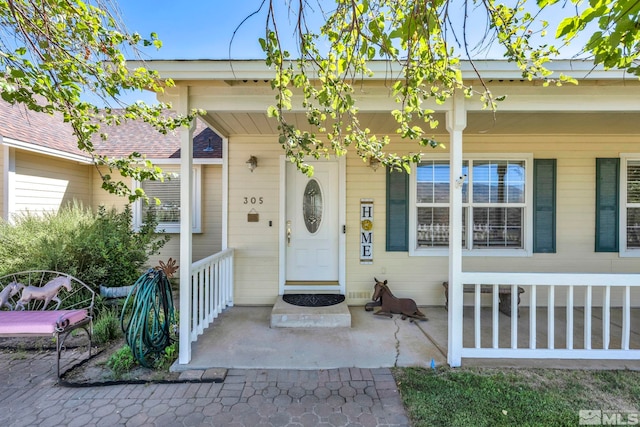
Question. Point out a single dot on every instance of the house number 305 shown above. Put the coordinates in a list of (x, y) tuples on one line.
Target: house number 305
[(253, 200)]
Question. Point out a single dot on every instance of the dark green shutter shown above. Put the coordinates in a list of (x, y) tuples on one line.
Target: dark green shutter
[(607, 204), (397, 211), (544, 205)]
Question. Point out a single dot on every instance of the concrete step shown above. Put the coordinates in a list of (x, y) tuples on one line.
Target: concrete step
[(285, 315)]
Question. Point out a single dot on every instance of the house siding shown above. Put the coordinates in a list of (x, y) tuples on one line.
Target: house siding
[(256, 256), (419, 277), (45, 184)]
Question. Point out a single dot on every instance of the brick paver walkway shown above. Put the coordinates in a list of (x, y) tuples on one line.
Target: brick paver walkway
[(30, 396)]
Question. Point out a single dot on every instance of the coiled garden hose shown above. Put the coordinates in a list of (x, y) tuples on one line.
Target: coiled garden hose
[(148, 316)]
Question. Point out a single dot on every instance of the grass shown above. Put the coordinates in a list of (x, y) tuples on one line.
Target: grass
[(508, 397), (19, 355)]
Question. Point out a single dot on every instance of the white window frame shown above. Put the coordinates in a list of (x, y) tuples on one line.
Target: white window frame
[(174, 228), (623, 250), (526, 251)]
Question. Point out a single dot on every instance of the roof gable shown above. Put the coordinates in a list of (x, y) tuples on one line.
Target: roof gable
[(141, 137), (52, 133)]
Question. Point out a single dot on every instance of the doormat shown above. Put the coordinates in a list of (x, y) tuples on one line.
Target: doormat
[(313, 300)]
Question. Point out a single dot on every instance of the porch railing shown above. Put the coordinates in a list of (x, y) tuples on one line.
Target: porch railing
[(211, 290), (563, 316)]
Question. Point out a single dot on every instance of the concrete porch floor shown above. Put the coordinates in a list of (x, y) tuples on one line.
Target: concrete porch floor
[(241, 338)]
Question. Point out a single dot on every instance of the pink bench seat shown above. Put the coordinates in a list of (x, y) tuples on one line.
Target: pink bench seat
[(76, 297), (39, 322)]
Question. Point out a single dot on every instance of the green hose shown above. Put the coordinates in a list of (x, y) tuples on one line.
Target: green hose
[(147, 329)]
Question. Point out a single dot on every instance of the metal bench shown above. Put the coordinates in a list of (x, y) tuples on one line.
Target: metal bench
[(43, 303), (504, 295)]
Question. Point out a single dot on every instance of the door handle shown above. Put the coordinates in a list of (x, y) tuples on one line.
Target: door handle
[(289, 233)]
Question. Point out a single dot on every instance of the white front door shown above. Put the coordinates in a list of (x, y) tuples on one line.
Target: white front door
[(312, 227)]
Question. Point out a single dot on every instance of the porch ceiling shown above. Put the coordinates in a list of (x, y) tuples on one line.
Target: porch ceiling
[(502, 123)]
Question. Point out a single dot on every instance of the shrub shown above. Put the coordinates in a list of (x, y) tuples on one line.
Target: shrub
[(98, 248), (114, 243), (41, 242), (107, 327)]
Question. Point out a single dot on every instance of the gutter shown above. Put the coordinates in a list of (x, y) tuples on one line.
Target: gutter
[(230, 70), (27, 146)]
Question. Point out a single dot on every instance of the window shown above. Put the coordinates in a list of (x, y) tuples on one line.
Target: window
[(432, 203), (632, 205), (498, 204), (168, 192), (626, 225), (495, 201), (618, 205)]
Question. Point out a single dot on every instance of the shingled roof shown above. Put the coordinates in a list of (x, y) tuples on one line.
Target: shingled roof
[(38, 129), (141, 137), (50, 131)]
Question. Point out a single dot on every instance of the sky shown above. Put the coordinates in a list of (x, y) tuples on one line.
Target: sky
[(203, 29), (198, 29), (194, 29)]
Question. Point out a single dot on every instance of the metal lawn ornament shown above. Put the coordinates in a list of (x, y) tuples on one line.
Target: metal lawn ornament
[(390, 304), (169, 268), (46, 293), (8, 292)]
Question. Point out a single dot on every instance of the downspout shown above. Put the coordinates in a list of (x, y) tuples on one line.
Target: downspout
[(186, 222), (456, 122)]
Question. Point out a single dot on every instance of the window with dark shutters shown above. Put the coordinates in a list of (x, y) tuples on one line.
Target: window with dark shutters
[(544, 205), (607, 204), (397, 211)]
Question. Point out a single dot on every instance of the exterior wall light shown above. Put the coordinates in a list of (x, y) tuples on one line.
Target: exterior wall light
[(252, 163), (374, 163)]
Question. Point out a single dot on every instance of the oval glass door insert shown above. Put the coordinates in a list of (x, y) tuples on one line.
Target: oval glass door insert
[(312, 206)]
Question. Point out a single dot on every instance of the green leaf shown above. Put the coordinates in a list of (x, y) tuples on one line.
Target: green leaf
[(272, 111), (567, 27)]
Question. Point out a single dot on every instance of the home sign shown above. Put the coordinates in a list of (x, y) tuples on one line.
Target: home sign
[(366, 231)]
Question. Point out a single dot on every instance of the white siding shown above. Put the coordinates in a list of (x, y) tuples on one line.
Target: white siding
[(45, 183), (255, 243)]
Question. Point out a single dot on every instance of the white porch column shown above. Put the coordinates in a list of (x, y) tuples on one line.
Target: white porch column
[(225, 192), (8, 178), (456, 122), (186, 215)]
